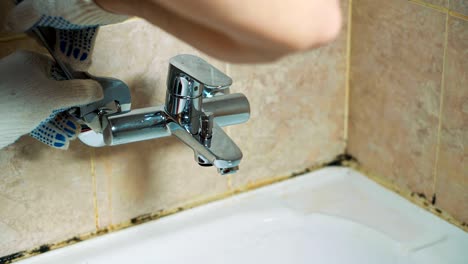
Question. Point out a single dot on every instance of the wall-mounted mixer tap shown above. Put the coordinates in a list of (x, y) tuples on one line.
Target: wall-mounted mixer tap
[(198, 104)]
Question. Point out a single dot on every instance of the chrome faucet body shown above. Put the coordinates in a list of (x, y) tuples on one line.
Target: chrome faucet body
[(197, 104)]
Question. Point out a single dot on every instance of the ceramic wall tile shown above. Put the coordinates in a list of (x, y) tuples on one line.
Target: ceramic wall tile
[(396, 57), (46, 195), (459, 6), (297, 117), (442, 3), (452, 170)]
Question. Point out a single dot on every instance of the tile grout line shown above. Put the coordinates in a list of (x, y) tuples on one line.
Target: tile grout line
[(348, 73), (412, 197), (445, 10), (430, 6), (109, 197), (458, 15), (442, 90), (93, 177)]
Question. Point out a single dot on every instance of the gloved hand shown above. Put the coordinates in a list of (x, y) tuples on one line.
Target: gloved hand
[(29, 94), (76, 24), (59, 14)]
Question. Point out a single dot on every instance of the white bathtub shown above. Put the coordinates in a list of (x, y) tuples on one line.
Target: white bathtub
[(334, 215)]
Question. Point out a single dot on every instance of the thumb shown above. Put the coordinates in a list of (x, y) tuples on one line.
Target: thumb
[(22, 17), (76, 92)]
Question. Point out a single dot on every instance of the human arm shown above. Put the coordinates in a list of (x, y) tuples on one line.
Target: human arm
[(240, 30)]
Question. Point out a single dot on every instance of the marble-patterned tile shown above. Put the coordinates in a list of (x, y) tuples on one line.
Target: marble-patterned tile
[(459, 6), (452, 170), (396, 58), (46, 195)]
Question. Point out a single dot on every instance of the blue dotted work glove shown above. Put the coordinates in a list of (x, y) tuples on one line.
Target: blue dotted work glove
[(76, 25), (29, 93)]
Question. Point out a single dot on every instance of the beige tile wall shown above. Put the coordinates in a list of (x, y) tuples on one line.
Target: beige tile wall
[(408, 60), (459, 6), (397, 55), (298, 119), (451, 179), (442, 3)]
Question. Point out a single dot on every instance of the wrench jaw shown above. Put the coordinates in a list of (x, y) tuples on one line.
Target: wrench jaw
[(117, 100), (93, 117)]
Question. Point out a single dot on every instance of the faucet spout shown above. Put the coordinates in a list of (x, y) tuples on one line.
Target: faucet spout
[(222, 152)]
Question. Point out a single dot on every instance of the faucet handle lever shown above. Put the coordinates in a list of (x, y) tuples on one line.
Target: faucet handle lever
[(199, 70)]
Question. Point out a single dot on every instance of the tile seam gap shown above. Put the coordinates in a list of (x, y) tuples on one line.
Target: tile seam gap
[(458, 15), (93, 177), (441, 102), (430, 6), (440, 9), (348, 74), (109, 197)]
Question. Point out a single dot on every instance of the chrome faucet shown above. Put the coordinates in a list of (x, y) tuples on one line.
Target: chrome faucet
[(198, 104)]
